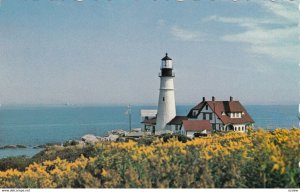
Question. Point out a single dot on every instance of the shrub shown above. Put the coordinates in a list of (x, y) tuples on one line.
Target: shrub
[(70, 143), (70, 153), (183, 138), (20, 163), (261, 159), (146, 140)]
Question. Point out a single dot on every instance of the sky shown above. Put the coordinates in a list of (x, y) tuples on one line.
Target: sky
[(109, 51)]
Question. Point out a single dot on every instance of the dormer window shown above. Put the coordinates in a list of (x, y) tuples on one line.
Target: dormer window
[(235, 115), (195, 112)]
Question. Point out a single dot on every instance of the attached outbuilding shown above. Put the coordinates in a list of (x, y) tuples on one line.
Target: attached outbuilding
[(194, 128), (175, 125)]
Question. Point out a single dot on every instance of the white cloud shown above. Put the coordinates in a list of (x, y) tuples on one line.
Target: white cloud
[(276, 36), (284, 10), (187, 35), (241, 21)]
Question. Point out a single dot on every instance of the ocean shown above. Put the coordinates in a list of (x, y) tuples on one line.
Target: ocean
[(37, 125)]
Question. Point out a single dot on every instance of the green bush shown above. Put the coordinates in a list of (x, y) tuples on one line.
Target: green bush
[(20, 163), (70, 143), (70, 153), (146, 140)]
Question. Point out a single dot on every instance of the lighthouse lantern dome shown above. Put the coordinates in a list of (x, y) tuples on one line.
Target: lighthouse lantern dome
[(166, 62)]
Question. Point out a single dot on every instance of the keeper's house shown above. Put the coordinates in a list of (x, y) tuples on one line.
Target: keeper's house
[(211, 116), (223, 115)]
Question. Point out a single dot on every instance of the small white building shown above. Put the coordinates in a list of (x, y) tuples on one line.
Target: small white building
[(194, 128), (148, 119), (148, 113)]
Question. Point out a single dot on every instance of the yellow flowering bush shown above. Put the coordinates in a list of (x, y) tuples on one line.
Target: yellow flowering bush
[(255, 159)]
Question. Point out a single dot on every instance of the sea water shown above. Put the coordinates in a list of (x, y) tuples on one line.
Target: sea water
[(37, 125)]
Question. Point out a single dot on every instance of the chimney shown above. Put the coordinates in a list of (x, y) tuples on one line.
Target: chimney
[(213, 98), (231, 98), (203, 99)]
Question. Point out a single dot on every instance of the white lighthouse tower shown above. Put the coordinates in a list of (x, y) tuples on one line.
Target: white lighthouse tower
[(166, 103)]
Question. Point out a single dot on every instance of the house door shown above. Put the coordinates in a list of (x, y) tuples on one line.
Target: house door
[(230, 127)]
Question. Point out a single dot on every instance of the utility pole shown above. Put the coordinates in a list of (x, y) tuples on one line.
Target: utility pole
[(129, 116)]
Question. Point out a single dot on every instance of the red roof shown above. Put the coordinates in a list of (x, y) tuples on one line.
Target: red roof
[(197, 125), (222, 110)]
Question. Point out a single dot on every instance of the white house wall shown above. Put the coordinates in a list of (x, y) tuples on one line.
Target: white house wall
[(240, 127), (190, 134), (173, 128)]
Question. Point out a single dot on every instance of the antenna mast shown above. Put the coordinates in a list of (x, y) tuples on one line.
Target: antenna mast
[(129, 117)]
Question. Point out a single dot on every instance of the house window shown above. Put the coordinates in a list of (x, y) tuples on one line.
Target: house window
[(239, 128), (195, 112), (204, 116), (210, 116), (206, 107), (163, 98)]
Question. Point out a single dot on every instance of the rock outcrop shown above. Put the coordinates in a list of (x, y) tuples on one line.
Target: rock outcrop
[(13, 147), (89, 138)]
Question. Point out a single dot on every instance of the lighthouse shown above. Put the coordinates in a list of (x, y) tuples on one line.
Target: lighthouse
[(166, 102)]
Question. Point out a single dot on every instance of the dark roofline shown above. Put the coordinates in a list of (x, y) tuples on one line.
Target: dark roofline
[(177, 120), (151, 121), (166, 58)]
